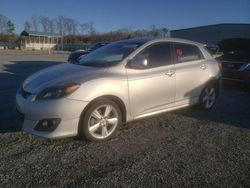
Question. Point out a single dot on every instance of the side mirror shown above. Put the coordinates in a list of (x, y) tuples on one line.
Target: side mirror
[(138, 63)]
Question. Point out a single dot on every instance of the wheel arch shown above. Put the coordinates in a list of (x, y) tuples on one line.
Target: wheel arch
[(113, 98), (216, 82)]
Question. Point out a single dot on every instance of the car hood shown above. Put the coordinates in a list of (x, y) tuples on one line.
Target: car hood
[(81, 52), (60, 75)]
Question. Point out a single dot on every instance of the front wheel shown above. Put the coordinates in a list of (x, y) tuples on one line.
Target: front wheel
[(208, 97), (101, 120)]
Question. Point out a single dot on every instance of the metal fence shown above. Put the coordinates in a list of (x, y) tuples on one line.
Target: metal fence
[(64, 47), (73, 47), (9, 45)]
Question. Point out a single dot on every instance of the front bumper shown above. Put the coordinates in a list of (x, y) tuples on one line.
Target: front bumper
[(236, 75), (68, 110)]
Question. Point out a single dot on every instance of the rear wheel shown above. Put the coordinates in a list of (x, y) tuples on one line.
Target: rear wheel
[(208, 97), (101, 120)]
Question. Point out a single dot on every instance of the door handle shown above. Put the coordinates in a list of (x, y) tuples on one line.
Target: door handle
[(170, 73), (203, 66)]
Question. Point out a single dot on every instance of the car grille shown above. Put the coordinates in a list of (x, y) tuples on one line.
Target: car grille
[(25, 94), (232, 75), (232, 65)]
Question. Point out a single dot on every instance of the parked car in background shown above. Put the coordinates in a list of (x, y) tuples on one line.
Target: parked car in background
[(235, 66), (74, 56), (118, 83), (214, 50)]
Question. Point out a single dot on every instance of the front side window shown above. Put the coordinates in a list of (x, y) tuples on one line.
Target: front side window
[(153, 56), (109, 55), (186, 52)]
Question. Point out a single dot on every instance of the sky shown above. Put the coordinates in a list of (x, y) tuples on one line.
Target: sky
[(109, 15)]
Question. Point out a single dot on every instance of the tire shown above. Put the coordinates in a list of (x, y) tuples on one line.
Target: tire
[(101, 120), (208, 97)]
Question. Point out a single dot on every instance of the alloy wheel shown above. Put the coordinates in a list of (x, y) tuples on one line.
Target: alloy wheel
[(103, 121), (209, 97)]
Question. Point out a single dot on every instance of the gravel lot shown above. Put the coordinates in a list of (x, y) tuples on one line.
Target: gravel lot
[(184, 148)]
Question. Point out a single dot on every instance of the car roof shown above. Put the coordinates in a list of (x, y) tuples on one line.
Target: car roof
[(141, 41), (134, 41)]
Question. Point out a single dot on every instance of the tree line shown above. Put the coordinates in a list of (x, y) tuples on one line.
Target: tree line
[(6, 25), (61, 25), (75, 32)]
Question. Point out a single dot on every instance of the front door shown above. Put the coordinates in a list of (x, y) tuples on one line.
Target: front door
[(151, 88)]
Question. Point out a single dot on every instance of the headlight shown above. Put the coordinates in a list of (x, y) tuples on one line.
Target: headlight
[(57, 92)]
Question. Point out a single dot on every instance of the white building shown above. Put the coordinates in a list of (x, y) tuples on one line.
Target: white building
[(213, 34), (34, 40)]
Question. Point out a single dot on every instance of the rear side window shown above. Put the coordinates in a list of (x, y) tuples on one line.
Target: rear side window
[(157, 55), (187, 52)]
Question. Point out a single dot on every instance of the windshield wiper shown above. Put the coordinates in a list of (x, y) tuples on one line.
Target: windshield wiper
[(89, 64), (97, 63)]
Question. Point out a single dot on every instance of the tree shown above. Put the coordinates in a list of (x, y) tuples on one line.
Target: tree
[(35, 22), (70, 26), (51, 26), (165, 32), (60, 24), (91, 30), (43, 20), (87, 28), (83, 28), (10, 27), (3, 24), (154, 31), (27, 26), (66, 26)]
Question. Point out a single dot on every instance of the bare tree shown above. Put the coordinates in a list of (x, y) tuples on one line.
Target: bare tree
[(27, 26), (83, 28), (70, 26), (154, 31), (92, 30), (87, 28), (3, 24), (66, 26), (35, 22), (60, 24), (44, 21), (130, 28), (164, 32), (51, 26)]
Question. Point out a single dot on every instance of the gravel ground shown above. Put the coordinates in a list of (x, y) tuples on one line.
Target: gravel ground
[(184, 148)]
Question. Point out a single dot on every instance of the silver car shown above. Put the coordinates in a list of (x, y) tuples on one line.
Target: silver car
[(119, 83)]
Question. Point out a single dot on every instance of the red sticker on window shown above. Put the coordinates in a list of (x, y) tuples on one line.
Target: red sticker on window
[(179, 52)]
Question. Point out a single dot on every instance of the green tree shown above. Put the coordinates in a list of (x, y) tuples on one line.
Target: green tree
[(10, 27)]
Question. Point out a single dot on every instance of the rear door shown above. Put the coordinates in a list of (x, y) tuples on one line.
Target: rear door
[(191, 73)]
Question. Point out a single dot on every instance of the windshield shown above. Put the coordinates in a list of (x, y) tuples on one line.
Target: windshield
[(95, 46), (108, 55)]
